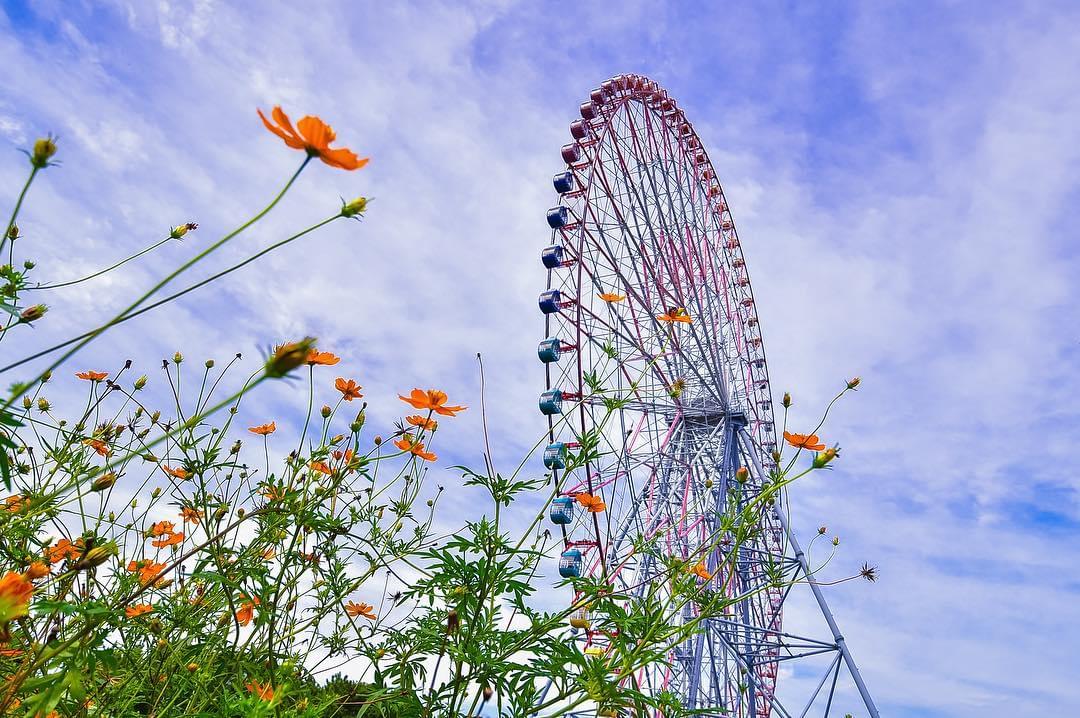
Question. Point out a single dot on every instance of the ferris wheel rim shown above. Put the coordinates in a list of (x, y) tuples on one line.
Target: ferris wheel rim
[(636, 88)]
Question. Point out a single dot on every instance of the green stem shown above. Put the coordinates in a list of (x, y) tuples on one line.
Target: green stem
[(15, 214), (153, 290)]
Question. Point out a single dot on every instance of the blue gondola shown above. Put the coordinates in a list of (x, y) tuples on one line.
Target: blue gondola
[(563, 181), (570, 564), (548, 350), (551, 402), (562, 510), (550, 300), (555, 456), (552, 256), (558, 217)]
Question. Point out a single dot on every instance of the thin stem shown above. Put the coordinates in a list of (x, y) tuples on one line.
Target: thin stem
[(98, 273), (153, 290)]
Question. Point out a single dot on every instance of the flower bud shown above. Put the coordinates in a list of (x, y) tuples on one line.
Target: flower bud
[(775, 456), (358, 422), (46, 376), (325, 411), (43, 405), (836, 541), (355, 207), (742, 474), (27, 402), (287, 357), (154, 417), (28, 265), (378, 440), (853, 382), (452, 621), (209, 363), (155, 493), (488, 693), (180, 230), (822, 458), (33, 313), (140, 383), (786, 400), (44, 149), (177, 358), (240, 513), (13, 231), (103, 482), (97, 556), (192, 667), (822, 529)]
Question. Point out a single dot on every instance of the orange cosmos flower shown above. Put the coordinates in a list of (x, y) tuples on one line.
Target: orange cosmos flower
[(138, 610), (360, 609), (175, 473), (433, 400), (314, 137), (161, 528), (701, 572), (190, 515), (65, 549), (349, 389), (97, 445), (264, 692), (593, 503), (91, 375), (423, 422), (148, 570), (37, 569), (247, 611), (675, 315), (15, 594), (264, 429), (16, 503), (273, 493), (170, 540), (321, 468), (804, 441), (322, 358), (611, 298), (406, 443)]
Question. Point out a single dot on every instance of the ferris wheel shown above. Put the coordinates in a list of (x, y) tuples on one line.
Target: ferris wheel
[(659, 405)]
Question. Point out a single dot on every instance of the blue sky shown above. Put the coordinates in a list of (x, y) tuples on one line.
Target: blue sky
[(904, 178)]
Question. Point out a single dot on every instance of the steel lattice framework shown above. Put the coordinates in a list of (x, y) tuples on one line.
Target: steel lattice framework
[(643, 240)]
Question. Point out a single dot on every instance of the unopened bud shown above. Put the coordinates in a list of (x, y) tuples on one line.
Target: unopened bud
[(287, 357), (33, 313), (44, 149), (742, 474), (192, 667), (103, 482), (325, 411), (13, 231), (786, 400), (97, 556), (209, 363), (355, 207), (836, 541), (177, 358), (154, 417), (452, 621), (853, 382), (180, 230), (822, 458), (27, 402), (378, 440), (46, 376), (488, 693), (240, 513), (28, 265), (140, 383), (155, 493)]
